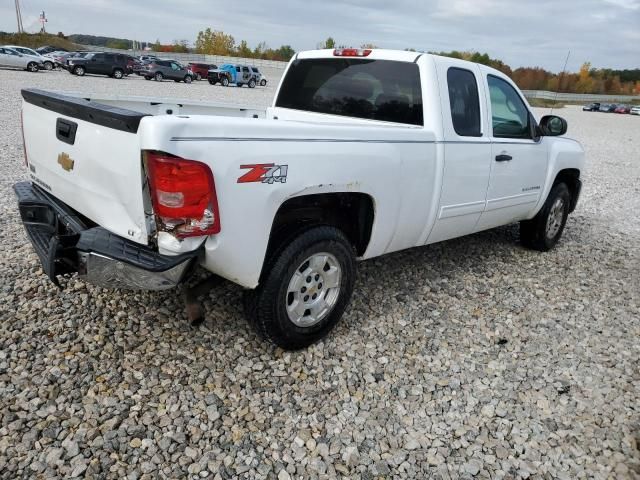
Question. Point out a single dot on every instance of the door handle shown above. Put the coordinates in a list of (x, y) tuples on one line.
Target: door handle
[(503, 158)]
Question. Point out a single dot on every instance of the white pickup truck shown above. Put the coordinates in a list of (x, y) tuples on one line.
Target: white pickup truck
[(363, 152)]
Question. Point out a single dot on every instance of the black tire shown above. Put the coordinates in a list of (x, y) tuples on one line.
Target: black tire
[(146, 77), (266, 306), (158, 77), (118, 73), (48, 65), (544, 230), (239, 85), (188, 79), (212, 82), (32, 67), (252, 83), (198, 77), (80, 71), (224, 82), (263, 82)]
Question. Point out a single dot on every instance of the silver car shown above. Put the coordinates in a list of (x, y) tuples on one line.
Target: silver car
[(47, 62), (13, 59)]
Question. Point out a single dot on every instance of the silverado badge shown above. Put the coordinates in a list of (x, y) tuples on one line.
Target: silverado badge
[(65, 161)]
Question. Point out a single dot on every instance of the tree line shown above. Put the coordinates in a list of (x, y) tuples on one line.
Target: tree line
[(217, 42), (587, 80)]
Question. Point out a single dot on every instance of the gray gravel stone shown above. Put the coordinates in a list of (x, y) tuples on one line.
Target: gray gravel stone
[(469, 357)]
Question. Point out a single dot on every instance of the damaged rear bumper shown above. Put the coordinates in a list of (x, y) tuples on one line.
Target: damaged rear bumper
[(66, 244)]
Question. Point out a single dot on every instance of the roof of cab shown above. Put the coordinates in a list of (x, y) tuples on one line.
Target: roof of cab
[(376, 54)]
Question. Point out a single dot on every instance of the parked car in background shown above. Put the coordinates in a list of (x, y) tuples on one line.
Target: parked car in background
[(635, 110), (48, 49), (238, 74), (622, 109), (47, 62), (169, 69), (608, 107), (592, 107), (13, 59), (110, 64), (60, 58), (200, 70), (144, 58), (260, 78), (219, 75)]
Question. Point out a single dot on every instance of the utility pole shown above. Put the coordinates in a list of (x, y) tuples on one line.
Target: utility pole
[(19, 17), (43, 20)]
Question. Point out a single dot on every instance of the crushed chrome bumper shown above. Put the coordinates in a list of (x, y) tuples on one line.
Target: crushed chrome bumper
[(65, 244)]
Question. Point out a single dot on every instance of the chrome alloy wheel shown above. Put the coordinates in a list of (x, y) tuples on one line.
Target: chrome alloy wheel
[(313, 289), (554, 220)]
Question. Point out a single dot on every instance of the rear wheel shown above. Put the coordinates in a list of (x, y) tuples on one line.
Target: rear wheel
[(80, 71), (305, 289), (32, 66), (224, 82), (252, 83), (198, 77), (544, 230), (158, 76), (117, 73), (146, 77)]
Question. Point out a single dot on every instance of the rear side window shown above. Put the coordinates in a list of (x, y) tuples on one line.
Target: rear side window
[(464, 102), (383, 90)]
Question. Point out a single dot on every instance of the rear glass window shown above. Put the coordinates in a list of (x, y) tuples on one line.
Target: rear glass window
[(373, 89), (464, 102)]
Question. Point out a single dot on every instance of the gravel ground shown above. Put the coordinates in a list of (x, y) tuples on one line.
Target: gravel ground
[(471, 358)]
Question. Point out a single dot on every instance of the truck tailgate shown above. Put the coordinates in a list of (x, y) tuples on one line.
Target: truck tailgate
[(88, 156)]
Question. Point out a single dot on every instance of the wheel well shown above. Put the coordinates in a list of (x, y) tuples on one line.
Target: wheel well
[(352, 213), (570, 177)]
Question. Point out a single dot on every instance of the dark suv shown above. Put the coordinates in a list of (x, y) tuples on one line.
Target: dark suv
[(111, 64), (161, 69)]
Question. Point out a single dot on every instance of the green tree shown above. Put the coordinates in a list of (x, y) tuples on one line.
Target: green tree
[(328, 43), (214, 42), (244, 50)]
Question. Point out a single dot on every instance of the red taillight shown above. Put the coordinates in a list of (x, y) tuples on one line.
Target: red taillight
[(351, 52), (183, 195), (24, 144)]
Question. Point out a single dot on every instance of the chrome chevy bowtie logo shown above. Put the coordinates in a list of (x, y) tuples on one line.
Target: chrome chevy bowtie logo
[(65, 161)]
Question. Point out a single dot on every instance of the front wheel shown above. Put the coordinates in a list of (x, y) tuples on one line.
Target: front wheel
[(198, 77), (544, 230), (212, 82), (224, 82), (48, 65), (188, 79), (79, 71), (32, 67), (305, 289), (263, 82)]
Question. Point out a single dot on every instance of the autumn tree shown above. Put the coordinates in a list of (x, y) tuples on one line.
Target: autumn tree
[(214, 42)]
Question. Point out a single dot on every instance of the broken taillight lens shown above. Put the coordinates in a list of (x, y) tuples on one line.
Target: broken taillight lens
[(183, 195)]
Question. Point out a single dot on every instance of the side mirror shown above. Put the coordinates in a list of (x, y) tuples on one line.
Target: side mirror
[(553, 126)]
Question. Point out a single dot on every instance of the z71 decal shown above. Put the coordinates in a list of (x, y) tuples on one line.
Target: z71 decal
[(264, 173)]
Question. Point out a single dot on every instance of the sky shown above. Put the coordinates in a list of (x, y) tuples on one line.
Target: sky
[(519, 32)]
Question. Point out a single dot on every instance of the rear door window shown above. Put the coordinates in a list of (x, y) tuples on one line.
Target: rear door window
[(464, 101), (382, 90)]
